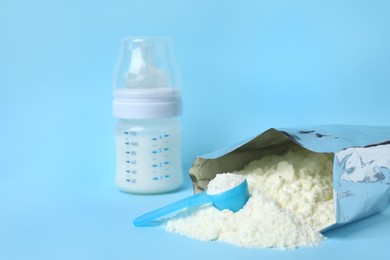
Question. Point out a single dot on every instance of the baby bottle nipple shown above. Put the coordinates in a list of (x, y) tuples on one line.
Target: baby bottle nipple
[(143, 72)]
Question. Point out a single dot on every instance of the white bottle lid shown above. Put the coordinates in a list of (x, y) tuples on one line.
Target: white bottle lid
[(146, 80), (147, 103)]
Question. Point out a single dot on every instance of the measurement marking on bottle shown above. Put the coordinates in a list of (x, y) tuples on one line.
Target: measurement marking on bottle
[(131, 133), (131, 180), (161, 177)]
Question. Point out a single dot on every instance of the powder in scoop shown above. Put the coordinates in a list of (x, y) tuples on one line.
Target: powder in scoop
[(223, 182)]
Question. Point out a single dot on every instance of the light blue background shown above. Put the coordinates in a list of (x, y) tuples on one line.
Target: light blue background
[(245, 66)]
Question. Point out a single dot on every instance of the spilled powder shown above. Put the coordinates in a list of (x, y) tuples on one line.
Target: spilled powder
[(291, 201)]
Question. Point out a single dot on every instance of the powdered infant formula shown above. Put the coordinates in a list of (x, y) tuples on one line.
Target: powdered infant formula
[(291, 201)]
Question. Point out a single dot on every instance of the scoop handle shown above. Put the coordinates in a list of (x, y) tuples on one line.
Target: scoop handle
[(151, 219)]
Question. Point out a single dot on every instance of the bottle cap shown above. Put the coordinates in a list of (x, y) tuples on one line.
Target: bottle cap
[(146, 80)]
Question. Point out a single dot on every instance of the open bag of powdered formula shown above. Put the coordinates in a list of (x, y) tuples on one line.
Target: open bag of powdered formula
[(302, 182)]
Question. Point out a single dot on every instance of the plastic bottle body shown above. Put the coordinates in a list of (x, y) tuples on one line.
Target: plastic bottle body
[(148, 155)]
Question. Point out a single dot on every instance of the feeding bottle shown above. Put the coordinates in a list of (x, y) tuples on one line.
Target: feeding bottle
[(147, 103)]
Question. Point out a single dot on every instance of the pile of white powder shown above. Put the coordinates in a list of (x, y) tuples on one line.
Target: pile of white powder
[(291, 201)]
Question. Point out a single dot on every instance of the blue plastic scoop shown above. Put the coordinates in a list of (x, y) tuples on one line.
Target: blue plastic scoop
[(233, 199)]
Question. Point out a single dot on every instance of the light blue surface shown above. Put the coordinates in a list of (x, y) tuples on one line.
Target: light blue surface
[(245, 66)]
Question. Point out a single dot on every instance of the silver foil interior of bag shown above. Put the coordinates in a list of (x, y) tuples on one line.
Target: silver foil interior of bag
[(206, 167)]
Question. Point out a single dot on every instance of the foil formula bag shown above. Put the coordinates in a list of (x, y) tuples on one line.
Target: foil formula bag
[(361, 163)]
